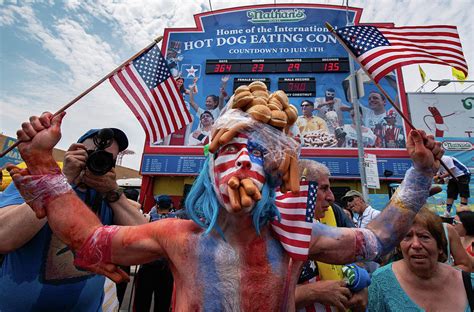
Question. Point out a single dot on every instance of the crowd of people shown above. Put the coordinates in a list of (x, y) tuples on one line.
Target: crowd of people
[(220, 255)]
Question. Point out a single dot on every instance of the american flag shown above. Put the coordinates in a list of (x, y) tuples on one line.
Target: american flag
[(149, 90), (383, 49), (297, 214)]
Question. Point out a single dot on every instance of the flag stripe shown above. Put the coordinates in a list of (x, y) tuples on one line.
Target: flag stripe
[(295, 236), (149, 90), (124, 93), (294, 228), (129, 84), (294, 242), (381, 50), (150, 109)]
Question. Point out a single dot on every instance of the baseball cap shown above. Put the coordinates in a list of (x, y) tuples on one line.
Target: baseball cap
[(352, 193), (119, 136), (164, 201)]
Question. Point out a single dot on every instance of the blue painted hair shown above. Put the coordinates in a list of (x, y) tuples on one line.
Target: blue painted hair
[(203, 207)]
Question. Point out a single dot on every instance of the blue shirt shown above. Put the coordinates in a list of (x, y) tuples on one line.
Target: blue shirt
[(386, 294), (40, 275)]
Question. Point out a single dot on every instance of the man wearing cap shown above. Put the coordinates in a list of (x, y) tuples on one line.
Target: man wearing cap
[(38, 271), (391, 133), (356, 203), (330, 103)]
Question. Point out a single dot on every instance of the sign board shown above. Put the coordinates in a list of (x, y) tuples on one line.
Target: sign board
[(340, 167), (444, 115), (371, 171), (288, 47), (13, 156)]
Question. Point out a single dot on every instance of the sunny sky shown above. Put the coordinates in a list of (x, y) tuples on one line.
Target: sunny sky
[(51, 51)]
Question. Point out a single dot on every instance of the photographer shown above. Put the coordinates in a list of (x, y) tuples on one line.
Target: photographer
[(38, 272)]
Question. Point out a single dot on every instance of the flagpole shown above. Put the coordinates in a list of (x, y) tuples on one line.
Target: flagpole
[(95, 85), (331, 29)]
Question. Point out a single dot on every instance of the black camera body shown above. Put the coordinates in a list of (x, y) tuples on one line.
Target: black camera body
[(99, 161)]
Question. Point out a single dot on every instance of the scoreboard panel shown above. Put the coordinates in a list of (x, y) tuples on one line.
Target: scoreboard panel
[(271, 66)]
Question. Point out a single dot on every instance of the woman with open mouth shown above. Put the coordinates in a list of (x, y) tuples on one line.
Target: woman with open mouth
[(420, 281)]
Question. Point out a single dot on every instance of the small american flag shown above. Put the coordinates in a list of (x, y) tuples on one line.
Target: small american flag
[(149, 90), (297, 214), (383, 49)]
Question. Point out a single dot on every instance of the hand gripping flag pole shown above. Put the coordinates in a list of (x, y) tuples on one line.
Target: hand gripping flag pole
[(405, 118), (95, 85)]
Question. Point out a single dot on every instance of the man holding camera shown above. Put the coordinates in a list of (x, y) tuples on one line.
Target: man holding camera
[(38, 271)]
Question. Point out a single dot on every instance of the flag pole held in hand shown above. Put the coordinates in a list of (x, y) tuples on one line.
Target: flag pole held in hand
[(405, 118), (95, 85)]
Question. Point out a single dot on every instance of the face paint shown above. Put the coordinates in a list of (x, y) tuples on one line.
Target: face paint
[(240, 158)]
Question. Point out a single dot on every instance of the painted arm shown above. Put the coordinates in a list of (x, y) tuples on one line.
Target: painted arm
[(47, 192), (339, 245)]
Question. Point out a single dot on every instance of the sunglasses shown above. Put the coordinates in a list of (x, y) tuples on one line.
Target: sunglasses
[(349, 199), (456, 221)]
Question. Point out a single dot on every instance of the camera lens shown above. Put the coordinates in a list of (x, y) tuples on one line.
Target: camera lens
[(100, 162)]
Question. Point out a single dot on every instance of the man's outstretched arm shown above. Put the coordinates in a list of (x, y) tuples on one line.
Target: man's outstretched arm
[(339, 245)]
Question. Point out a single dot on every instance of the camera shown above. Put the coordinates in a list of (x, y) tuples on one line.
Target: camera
[(99, 161)]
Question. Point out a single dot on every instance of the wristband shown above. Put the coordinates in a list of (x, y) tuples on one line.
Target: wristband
[(97, 249), (39, 190)]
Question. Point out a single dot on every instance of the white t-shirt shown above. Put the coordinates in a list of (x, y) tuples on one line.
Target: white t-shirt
[(457, 168), (368, 215), (370, 119)]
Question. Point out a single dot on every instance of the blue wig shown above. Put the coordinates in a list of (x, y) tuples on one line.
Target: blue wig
[(203, 207)]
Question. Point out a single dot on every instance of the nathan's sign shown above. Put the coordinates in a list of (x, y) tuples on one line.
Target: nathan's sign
[(457, 146), (289, 48), (276, 16)]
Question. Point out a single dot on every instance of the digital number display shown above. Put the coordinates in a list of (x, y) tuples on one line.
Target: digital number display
[(315, 65), (298, 87)]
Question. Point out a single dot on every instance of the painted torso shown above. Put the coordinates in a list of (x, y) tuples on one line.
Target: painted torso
[(237, 274)]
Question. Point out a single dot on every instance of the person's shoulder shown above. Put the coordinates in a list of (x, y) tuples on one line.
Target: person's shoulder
[(10, 196), (383, 272)]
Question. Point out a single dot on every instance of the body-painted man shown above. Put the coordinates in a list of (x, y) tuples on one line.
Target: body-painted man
[(226, 258)]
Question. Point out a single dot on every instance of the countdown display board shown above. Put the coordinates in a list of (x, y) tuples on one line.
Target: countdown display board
[(287, 47)]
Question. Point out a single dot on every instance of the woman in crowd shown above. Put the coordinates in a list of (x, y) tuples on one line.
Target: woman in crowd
[(464, 225), (420, 281)]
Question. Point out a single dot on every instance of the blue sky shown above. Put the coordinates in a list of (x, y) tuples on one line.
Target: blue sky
[(50, 51)]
